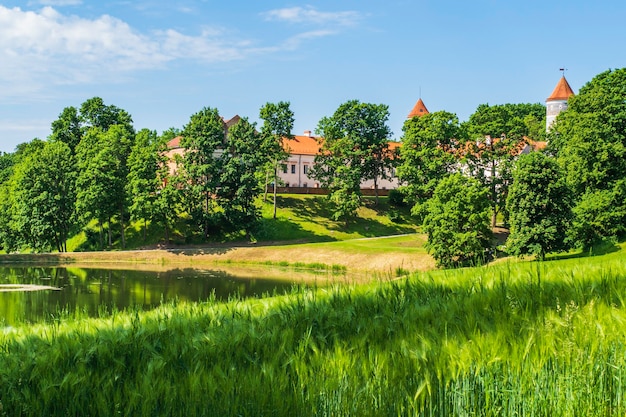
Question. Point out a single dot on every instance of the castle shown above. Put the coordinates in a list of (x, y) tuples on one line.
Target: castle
[(303, 148)]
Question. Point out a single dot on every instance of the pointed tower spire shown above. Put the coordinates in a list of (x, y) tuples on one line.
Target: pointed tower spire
[(557, 102), (418, 110)]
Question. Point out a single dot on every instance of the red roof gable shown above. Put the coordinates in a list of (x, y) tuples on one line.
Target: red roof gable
[(418, 110), (562, 91), (174, 143)]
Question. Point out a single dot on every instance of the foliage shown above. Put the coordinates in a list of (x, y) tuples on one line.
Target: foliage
[(496, 134), (427, 153), (143, 182), (589, 138), (67, 128), (353, 147), (485, 341), (102, 173), (203, 138), (599, 215), (457, 222), (94, 113), (277, 126), (44, 197), (540, 205), (238, 183), (396, 198)]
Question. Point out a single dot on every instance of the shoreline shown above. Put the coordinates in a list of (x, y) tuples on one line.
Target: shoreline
[(286, 255)]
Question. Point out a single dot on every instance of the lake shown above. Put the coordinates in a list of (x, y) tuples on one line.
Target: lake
[(33, 294)]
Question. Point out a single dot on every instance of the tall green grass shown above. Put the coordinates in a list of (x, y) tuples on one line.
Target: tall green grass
[(517, 339)]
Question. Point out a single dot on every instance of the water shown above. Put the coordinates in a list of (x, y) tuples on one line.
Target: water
[(91, 290)]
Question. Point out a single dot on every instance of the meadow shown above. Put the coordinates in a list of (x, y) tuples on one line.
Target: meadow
[(510, 339)]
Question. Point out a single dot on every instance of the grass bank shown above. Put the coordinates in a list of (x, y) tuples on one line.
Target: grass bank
[(376, 256), (529, 339)]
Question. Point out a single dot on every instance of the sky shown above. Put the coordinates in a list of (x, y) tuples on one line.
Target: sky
[(163, 61)]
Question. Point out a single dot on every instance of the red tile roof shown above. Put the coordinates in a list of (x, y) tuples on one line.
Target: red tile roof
[(174, 143), (418, 110), (562, 91), (302, 145)]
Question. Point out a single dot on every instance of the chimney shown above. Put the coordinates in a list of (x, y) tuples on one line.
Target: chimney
[(308, 133)]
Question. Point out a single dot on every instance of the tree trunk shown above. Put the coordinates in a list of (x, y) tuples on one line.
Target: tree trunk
[(494, 195), (275, 187), (101, 236), (267, 180), (110, 233), (145, 230), (376, 190), (122, 226), (206, 216)]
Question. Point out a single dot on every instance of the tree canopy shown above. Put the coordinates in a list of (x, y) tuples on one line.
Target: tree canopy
[(353, 147), (457, 222), (427, 154), (539, 204)]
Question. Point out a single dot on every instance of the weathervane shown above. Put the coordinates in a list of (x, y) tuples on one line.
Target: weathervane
[(563, 70)]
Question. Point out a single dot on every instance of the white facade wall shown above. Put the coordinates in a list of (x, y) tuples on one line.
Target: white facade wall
[(294, 173)]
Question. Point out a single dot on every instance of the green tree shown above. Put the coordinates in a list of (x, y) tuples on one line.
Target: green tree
[(589, 138), (540, 207), (352, 143), (44, 197), (599, 215), (495, 137), (67, 128), (589, 141), (427, 154), (239, 184), (102, 172), (142, 181), (94, 113), (277, 126), (203, 140), (457, 222)]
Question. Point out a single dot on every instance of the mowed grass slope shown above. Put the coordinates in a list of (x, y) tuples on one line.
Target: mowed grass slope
[(381, 239)]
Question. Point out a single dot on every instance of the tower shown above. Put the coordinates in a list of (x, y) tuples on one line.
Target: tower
[(557, 102), (418, 110)]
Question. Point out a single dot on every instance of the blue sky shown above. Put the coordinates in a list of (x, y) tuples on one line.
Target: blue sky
[(163, 61)]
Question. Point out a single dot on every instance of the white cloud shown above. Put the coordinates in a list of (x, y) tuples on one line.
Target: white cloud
[(309, 14), (47, 47)]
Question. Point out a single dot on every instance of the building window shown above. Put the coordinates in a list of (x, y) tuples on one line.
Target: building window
[(284, 168), (293, 168), (306, 169), (305, 185)]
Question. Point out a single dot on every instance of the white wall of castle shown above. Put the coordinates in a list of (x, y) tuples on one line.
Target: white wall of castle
[(295, 173)]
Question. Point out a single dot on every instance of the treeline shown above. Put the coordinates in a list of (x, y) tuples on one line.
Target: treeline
[(96, 167), (459, 178), (572, 194)]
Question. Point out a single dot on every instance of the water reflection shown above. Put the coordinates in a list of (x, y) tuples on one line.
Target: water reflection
[(92, 289)]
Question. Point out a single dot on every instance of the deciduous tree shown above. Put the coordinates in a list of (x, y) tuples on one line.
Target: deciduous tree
[(44, 197), (457, 222), (352, 142), (276, 130), (203, 140), (427, 154), (240, 163), (540, 207), (495, 135)]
